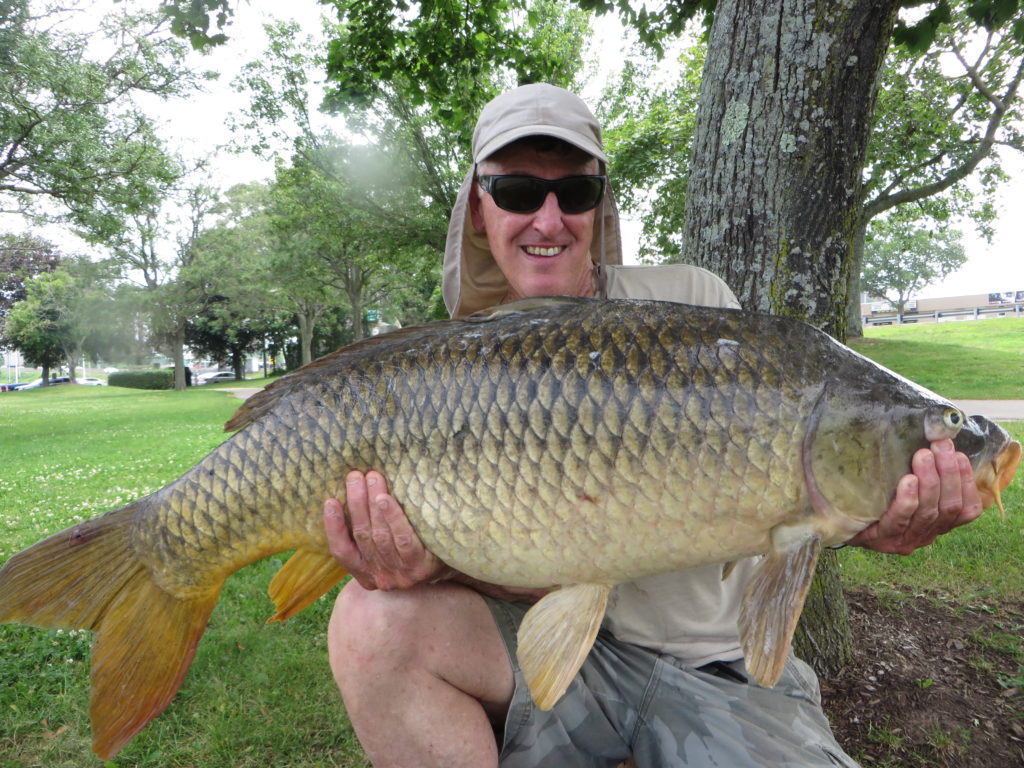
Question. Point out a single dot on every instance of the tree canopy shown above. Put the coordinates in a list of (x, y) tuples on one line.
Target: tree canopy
[(192, 19), (63, 314), (22, 257), (73, 142)]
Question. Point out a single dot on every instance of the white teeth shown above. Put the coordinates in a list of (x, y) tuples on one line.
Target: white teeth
[(536, 251)]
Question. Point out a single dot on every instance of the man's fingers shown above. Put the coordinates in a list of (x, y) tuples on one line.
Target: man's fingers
[(408, 562), (341, 545), (406, 544), (929, 484), (951, 499), (886, 535), (379, 506), (900, 514), (939, 496), (379, 546), (382, 510), (357, 504), (972, 499)]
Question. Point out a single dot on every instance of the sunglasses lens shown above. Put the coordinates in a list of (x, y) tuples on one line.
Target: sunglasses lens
[(577, 194), (518, 194)]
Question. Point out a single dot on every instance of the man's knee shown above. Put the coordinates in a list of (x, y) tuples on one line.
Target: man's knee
[(371, 628), (367, 621)]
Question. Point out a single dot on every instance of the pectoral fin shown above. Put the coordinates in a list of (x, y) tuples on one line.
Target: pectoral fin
[(774, 599), (555, 637), (306, 576)]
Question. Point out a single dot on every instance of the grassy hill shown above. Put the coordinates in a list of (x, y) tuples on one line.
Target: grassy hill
[(980, 359)]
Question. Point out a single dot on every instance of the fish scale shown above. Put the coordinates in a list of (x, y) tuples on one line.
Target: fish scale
[(564, 442)]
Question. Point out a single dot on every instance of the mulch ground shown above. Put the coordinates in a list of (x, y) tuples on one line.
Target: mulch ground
[(931, 684)]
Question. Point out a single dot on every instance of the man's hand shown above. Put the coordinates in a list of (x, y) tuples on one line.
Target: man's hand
[(939, 496), (377, 545)]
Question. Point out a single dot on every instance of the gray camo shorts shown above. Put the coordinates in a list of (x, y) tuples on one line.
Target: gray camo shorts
[(631, 702)]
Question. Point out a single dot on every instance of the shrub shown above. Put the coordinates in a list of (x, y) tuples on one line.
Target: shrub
[(142, 379)]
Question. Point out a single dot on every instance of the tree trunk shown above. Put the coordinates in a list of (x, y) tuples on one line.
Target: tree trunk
[(823, 635), (178, 351), (305, 338), (779, 150), (238, 363), (771, 205), (354, 284)]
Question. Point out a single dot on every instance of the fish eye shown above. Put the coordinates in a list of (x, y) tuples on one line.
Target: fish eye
[(954, 419)]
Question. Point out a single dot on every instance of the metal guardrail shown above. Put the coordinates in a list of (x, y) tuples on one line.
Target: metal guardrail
[(913, 317)]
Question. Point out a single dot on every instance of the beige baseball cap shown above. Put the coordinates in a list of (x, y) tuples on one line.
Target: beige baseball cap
[(536, 110)]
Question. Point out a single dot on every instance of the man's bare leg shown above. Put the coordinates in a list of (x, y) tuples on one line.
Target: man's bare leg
[(423, 673)]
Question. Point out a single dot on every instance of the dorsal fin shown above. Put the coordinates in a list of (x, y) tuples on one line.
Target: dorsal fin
[(264, 400), (525, 305)]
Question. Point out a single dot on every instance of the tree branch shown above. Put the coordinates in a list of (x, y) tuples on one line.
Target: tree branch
[(885, 202)]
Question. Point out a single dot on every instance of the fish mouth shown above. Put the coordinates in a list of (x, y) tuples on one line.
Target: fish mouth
[(993, 477)]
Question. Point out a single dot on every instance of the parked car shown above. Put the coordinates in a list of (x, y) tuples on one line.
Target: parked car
[(13, 387), (216, 376), (55, 380), (91, 381)]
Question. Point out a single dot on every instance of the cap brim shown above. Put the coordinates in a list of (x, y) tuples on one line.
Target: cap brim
[(572, 137)]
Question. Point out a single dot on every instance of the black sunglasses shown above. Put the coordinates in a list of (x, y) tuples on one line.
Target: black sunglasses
[(519, 193)]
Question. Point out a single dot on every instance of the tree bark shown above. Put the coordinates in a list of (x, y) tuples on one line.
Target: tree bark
[(772, 204), (782, 130), (823, 636)]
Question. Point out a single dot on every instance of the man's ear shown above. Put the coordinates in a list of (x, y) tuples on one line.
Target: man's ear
[(476, 216)]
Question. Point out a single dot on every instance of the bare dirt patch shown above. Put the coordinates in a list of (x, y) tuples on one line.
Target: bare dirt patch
[(932, 684)]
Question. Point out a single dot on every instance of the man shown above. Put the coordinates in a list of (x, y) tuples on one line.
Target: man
[(425, 656)]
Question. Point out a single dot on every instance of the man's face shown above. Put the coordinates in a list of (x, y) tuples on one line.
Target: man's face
[(544, 253)]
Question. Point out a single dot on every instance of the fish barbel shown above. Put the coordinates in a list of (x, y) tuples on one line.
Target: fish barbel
[(569, 442)]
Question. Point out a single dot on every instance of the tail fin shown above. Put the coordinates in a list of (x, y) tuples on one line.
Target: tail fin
[(89, 577)]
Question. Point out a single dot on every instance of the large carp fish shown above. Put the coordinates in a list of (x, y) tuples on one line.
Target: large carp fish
[(569, 442)]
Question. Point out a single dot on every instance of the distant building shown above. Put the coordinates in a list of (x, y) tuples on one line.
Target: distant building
[(971, 307)]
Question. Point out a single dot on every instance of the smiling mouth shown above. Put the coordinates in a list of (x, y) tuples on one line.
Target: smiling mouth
[(536, 250)]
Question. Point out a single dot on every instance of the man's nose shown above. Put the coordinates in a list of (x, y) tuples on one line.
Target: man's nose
[(548, 217)]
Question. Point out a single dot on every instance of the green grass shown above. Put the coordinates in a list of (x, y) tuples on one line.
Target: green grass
[(69, 453), (257, 694), (980, 359)]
